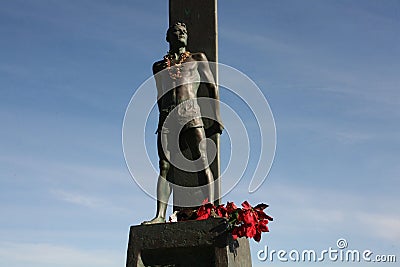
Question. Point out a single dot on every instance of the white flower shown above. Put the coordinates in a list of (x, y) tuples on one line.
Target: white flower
[(173, 217)]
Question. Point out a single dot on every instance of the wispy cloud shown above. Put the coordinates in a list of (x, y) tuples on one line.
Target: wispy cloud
[(44, 254), (384, 226), (301, 211), (349, 137), (58, 169), (99, 203), (343, 56), (258, 42), (80, 199)]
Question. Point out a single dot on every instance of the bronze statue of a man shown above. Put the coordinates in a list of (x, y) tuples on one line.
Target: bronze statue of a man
[(177, 97)]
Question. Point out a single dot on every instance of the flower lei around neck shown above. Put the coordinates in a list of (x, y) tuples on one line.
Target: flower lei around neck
[(175, 71)]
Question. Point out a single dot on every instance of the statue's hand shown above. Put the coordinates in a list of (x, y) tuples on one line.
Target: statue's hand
[(219, 127), (215, 128)]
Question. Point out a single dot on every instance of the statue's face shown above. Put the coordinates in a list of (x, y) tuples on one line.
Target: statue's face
[(177, 36)]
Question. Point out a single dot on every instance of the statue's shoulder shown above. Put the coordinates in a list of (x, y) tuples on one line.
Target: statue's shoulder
[(158, 66), (199, 56)]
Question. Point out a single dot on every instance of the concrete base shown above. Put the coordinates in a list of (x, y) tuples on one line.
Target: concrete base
[(192, 243)]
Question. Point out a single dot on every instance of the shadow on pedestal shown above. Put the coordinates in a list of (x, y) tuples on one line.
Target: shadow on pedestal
[(192, 243)]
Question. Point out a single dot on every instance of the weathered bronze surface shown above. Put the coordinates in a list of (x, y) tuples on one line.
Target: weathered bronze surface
[(178, 77)]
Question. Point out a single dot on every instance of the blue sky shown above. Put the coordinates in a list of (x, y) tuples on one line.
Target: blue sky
[(330, 72)]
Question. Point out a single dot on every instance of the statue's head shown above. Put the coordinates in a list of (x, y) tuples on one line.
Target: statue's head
[(177, 34)]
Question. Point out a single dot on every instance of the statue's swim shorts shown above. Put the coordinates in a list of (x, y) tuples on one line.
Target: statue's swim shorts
[(180, 118)]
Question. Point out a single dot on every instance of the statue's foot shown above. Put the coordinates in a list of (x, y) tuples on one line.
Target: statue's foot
[(155, 220)]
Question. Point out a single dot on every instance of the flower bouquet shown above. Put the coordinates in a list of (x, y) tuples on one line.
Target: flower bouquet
[(247, 221)]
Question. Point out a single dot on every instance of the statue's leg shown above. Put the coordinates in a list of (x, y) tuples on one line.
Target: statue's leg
[(194, 138), (163, 186)]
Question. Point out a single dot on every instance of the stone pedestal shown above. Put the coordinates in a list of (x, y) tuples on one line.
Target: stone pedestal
[(192, 243)]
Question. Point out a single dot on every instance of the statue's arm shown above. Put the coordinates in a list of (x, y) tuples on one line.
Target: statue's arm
[(208, 78), (157, 68)]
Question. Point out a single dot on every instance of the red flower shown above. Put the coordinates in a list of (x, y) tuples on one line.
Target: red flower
[(250, 230), (222, 211), (205, 201), (239, 231), (248, 217), (257, 237), (261, 206), (248, 221), (246, 205), (204, 212), (262, 226), (260, 212), (230, 207)]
